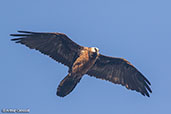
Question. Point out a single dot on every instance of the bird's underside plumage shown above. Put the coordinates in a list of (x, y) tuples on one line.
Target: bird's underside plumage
[(83, 60)]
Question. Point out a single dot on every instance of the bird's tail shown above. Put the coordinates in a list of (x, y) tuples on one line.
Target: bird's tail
[(68, 84)]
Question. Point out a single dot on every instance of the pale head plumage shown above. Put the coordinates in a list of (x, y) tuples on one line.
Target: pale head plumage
[(94, 49)]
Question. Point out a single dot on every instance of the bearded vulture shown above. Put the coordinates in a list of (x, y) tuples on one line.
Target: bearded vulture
[(83, 60)]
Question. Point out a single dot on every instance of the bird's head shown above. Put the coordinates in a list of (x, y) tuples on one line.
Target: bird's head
[(95, 49), (94, 52)]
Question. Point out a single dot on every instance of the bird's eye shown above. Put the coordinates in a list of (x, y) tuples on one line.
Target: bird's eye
[(95, 49)]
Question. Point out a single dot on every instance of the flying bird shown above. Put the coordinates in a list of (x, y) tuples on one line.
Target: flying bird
[(83, 60)]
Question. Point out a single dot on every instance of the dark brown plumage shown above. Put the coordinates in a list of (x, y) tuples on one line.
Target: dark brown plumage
[(83, 60)]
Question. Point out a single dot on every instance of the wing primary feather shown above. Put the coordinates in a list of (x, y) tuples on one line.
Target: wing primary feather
[(29, 33), (20, 31), (147, 87), (146, 92), (146, 80), (19, 34), (16, 39)]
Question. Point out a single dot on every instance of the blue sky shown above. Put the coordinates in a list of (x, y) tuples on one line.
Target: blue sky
[(139, 31)]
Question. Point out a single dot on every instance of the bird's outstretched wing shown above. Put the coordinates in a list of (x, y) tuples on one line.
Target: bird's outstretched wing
[(56, 45), (120, 71)]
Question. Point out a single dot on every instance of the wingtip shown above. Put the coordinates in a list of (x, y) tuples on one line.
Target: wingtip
[(146, 80), (12, 34), (12, 39), (29, 32), (17, 40), (22, 31), (147, 94)]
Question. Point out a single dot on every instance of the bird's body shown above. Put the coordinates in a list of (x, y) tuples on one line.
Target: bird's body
[(83, 60), (81, 66)]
